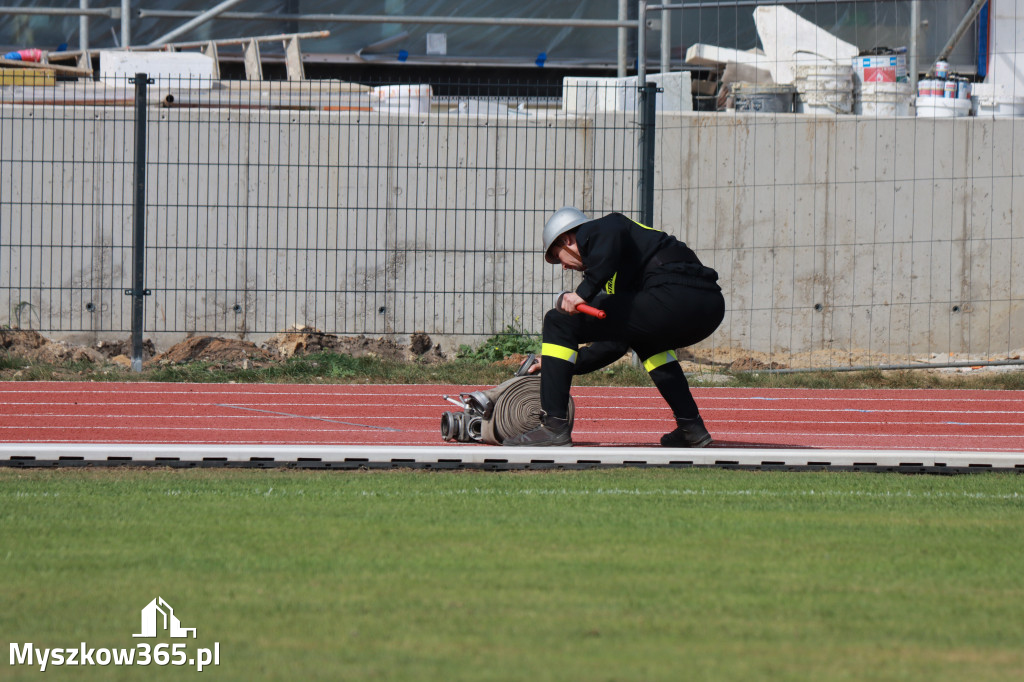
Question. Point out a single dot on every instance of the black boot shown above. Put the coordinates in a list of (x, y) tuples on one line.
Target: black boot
[(690, 433), (552, 431)]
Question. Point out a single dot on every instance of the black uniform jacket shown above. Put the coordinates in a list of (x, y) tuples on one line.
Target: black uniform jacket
[(617, 253), (621, 256)]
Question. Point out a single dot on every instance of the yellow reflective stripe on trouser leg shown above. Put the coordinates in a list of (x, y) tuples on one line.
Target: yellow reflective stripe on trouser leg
[(552, 350), (656, 361)]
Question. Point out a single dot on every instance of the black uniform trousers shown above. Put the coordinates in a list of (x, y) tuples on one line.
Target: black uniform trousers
[(671, 311)]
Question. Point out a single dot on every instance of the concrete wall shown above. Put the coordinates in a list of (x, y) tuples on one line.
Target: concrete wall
[(900, 236), (894, 235)]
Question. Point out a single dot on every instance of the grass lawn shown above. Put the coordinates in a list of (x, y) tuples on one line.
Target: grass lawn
[(621, 574)]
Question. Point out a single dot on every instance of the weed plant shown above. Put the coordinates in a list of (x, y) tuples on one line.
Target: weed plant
[(514, 340)]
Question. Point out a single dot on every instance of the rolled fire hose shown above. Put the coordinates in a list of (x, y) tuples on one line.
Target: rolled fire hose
[(505, 411), (517, 401), (516, 409)]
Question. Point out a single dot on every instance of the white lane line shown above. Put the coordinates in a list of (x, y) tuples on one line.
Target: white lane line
[(194, 415), (585, 392), (719, 434), (580, 405), (358, 428), (118, 390), (441, 407), (300, 416), (715, 423), (206, 403)]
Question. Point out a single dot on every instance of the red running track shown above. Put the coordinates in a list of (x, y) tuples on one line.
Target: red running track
[(244, 414)]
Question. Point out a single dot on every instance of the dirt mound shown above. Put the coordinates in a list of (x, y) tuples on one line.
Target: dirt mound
[(420, 344), (749, 364), (34, 347), (213, 349), (420, 349), (514, 360), (19, 341), (301, 340), (425, 350), (111, 349)]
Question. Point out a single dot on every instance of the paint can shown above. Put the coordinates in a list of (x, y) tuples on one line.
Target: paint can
[(942, 70), (929, 87), (963, 88), (949, 89)]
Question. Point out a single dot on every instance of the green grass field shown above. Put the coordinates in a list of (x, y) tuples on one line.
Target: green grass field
[(621, 574)]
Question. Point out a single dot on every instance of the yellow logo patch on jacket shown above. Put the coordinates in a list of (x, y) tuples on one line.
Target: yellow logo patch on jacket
[(609, 286)]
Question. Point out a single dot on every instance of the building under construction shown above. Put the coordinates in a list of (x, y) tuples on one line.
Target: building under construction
[(422, 40)]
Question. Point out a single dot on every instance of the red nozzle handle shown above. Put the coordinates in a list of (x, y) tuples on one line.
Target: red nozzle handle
[(591, 310)]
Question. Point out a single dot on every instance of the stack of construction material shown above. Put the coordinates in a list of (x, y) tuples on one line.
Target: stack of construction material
[(823, 88)]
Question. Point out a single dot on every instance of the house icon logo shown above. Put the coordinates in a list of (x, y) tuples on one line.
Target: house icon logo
[(157, 614)]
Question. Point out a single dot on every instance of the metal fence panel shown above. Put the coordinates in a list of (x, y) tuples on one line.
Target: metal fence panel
[(282, 205)]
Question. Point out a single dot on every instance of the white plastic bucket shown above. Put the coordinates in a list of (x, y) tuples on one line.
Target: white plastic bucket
[(820, 103), (824, 70), (996, 108), (942, 107), (884, 100), (996, 101), (403, 99)]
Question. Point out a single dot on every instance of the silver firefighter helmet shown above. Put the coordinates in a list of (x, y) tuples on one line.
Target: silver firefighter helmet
[(560, 222)]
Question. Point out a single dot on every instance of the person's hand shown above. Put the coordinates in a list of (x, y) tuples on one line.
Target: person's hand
[(535, 367), (570, 300)]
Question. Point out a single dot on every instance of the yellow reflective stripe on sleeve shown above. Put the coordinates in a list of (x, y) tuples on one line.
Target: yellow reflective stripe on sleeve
[(656, 361), (552, 350)]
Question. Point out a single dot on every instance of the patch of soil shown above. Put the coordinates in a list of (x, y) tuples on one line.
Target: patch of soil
[(386, 349), (514, 361), (34, 347), (213, 349), (748, 364), (19, 341), (301, 340), (419, 344), (111, 349), (745, 359), (423, 349)]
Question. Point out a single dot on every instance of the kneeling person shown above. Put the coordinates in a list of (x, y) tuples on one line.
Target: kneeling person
[(657, 297)]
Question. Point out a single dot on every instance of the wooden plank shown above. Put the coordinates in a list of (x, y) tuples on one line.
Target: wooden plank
[(68, 70)]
